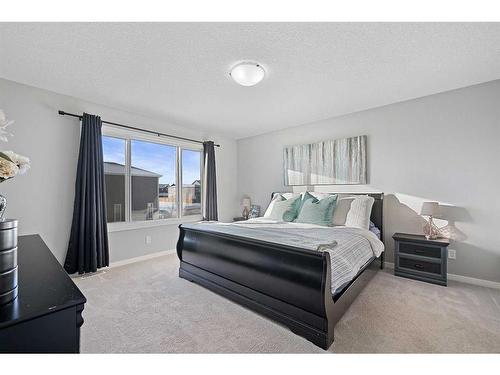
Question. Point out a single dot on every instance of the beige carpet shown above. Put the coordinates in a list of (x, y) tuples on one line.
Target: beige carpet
[(146, 308)]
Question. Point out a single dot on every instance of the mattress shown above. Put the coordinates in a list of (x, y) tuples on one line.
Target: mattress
[(350, 249)]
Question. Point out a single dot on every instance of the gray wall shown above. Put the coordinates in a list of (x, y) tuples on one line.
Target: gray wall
[(42, 200), (443, 147)]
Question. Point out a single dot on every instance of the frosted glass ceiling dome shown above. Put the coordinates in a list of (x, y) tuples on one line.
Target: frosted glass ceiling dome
[(247, 73)]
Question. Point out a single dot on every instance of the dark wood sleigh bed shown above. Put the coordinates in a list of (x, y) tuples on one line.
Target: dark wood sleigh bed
[(288, 284)]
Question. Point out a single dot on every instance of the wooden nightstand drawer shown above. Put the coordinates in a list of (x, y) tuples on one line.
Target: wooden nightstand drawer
[(418, 249), (419, 265)]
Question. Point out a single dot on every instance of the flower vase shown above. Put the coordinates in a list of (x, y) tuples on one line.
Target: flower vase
[(8, 261)]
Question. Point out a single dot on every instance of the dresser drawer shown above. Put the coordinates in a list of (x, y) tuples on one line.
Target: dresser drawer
[(422, 250), (419, 265)]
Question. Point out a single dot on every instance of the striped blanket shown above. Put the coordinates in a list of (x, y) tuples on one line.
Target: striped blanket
[(349, 248)]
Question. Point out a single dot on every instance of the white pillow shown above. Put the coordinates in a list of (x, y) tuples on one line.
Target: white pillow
[(359, 213), (275, 197)]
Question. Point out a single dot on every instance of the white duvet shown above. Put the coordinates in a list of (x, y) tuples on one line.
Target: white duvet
[(376, 244)]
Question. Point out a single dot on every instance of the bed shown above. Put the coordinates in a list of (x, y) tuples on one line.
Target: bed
[(285, 280)]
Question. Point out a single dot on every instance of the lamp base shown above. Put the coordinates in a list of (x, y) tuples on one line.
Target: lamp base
[(245, 213), (431, 231)]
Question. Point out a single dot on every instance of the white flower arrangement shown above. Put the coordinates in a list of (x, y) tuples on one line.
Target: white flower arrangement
[(4, 124), (11, 164)]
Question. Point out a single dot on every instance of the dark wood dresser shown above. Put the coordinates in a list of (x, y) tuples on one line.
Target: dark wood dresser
[(418, 258), (47, 314)]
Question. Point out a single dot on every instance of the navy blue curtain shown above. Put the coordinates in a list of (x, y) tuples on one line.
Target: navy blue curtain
[(88, 244), (210, 181)]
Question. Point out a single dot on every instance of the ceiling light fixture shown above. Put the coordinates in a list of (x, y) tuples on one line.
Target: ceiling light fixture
[(247, 73)]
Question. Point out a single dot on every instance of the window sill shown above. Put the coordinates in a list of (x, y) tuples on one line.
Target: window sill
[(119, 227)]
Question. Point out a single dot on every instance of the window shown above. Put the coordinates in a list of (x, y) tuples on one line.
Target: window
[(153, 168), (191, 182), (114, 178), (142, 174)]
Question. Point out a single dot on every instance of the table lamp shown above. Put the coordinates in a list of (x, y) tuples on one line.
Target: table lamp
[(430, 209), (246, 204)]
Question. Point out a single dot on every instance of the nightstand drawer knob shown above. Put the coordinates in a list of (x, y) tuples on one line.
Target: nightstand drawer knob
[(418, 266)]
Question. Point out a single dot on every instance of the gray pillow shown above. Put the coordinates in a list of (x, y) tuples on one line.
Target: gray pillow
[(342, 209)]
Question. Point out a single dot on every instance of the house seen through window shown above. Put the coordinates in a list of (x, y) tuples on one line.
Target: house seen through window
[(141, 179)]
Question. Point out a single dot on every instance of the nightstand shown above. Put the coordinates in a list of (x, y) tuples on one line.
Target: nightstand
[(421, 259)]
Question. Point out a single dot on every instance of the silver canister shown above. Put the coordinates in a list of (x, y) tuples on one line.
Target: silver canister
[(8, 261)]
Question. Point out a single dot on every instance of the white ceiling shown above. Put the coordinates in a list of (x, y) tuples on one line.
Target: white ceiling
[(179, 71)]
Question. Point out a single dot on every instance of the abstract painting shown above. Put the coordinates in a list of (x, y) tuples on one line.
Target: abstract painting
[(333, 162)]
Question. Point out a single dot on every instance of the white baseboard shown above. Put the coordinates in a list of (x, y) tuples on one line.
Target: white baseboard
[(451, 276), (123, 263), (463, 279), (141, 258)]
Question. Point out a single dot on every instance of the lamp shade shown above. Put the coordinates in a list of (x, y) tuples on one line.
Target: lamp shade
[(246, 203), (430, 209)]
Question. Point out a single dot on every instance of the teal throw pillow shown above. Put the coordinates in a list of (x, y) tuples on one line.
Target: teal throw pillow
[(285, 210), (319, 212)]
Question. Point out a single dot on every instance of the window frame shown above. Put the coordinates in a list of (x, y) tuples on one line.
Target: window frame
[(128, 136)]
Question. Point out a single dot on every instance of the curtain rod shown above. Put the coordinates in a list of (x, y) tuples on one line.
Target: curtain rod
[(62, 113)]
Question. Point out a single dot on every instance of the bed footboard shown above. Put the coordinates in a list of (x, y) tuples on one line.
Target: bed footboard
[(290, 285)]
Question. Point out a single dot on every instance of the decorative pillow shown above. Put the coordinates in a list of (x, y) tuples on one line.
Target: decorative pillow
[(316, 211), (318, 195), (333, 207), (305, 196), (375, 230), (360, 212), (343, 207), (278, 197), (285, 210)]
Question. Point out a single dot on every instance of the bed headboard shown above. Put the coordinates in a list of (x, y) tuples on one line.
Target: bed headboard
[(377, 216)]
